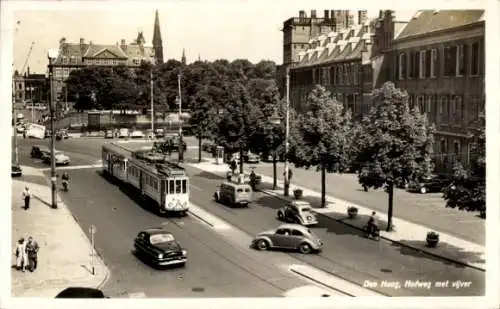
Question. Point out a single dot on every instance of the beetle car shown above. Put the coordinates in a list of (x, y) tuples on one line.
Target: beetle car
[(299, 212), (159, 247), (16, 171), (288, 236), (60, 158)]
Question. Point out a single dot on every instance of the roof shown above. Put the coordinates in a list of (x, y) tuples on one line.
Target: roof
[(426, 21), (78, 52), (301, 203), (156, 231)]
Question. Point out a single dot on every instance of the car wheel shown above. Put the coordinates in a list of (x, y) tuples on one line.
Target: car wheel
[(297, 221), (182, 265), (305, 248), (423, 190), (281, 217), (216, 198), (262, 245)]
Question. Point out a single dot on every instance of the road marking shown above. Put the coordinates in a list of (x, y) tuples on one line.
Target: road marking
[(72, 167), (137, 295), (207, 218)]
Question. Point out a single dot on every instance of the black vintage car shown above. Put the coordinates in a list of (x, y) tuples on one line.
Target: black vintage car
[(159, 247), (432, 183), (16, 171)]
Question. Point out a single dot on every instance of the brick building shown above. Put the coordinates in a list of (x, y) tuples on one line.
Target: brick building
[(439, 60), (299, 31), (72, 56)]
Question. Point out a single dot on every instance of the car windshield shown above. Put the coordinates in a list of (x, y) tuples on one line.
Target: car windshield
[(305, 209), (161, 238)]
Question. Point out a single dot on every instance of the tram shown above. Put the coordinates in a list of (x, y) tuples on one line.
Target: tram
[(150, 174)]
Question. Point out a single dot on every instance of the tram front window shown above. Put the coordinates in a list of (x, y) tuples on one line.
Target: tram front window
[(171, 187), (178, 186), (184, 186)]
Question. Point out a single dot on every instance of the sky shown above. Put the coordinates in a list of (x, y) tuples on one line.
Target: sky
[(210, 29)]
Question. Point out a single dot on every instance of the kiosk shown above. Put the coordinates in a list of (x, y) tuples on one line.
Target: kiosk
[(219, 155)]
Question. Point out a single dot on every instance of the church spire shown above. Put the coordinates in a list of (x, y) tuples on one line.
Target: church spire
[(183, 59), (157, 42)]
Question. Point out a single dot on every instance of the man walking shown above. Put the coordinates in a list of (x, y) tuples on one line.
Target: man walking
[(27, 197), (32, 251)]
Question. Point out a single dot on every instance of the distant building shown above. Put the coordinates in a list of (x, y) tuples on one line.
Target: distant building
[(18, 88), (72, 56), (334, 59), (439, 58)]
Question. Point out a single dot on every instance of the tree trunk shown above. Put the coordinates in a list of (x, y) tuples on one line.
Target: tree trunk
[(390, 193), (199, 148), (275, 172), (241, 161), (323, 186)]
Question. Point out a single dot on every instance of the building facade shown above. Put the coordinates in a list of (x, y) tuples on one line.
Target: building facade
[(334, 60), (18, 88), (299, 31), (439, 58), (73, 56)]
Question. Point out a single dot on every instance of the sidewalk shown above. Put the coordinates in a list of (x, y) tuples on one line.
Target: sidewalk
[(64, 256), (405, 233)]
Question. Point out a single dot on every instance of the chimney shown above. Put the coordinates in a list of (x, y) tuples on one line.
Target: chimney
[(349, 19), (326, 15), (62, 41), (82, 41), (122, 42), (302, 14), (362, 18), (313, 13)]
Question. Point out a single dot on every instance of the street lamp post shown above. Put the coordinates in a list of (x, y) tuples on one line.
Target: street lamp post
[(181, 146), (152, 106), (276, 120), (53, 178)]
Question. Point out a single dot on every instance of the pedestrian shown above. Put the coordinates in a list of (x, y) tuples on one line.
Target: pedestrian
[(21, 256), (32, 253), (27, 197)]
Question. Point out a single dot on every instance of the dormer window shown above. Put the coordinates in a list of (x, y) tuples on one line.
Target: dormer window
[(64, 60)]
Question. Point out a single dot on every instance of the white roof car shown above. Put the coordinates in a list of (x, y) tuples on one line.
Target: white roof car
[(137, 133), (123, 132)]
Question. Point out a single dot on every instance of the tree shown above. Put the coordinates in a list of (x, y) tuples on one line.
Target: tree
[(321, 135), (239, 121), (396, 144), (468, 189)]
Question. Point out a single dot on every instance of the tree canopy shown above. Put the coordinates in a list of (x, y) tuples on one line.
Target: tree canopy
[(468, 189)]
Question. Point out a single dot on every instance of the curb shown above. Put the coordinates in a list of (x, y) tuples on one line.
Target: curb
[(320, 283), (106, 269), (387, 238)]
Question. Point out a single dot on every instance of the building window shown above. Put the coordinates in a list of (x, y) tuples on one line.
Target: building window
[(450, 61), (333, 76), (434, 63), (410, 101), (346, 74), (341, 75), (456, 149), (453, 108), (355, 73), (422, 64), (421, 103), (64, 60), (443, 108), (459, 108), (461, 65), (475, 59), (429, 108), (402, 66)]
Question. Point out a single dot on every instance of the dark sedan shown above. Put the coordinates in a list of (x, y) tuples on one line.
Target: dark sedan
[(159, 247), (433, 183), (16, 171)]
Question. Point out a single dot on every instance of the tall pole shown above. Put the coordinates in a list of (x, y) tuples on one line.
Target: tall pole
[(152, 106), (32, 104), (52, 144), (181, 146), (16, 152), (287, 133)]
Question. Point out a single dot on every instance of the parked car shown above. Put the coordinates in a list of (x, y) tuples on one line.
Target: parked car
[(123, 133), (137, 134), (288, 236), (60, 158), (159, 133), (159, 247), (251, 158), (37, 151), (432, 183), (109, 134), (233, 194), (16, 170), (62, 134), (299, 212)]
